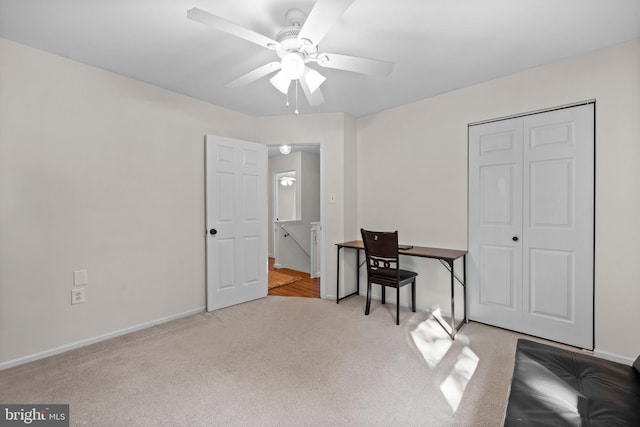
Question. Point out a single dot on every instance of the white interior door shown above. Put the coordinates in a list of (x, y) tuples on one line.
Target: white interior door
[(531, 224), (558, 225), (495, 218), (236, 216)]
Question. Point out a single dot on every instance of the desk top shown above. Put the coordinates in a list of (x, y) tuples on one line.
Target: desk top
[(419, 251)]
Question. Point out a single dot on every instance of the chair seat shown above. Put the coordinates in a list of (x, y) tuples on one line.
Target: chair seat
[(406, 276)]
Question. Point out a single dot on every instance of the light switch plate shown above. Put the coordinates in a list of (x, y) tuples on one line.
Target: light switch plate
[(80, 278)]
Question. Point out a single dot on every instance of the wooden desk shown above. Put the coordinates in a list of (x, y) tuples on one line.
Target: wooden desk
[(446, 256)]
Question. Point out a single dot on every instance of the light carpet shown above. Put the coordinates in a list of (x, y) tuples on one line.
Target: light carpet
[(280, 361)]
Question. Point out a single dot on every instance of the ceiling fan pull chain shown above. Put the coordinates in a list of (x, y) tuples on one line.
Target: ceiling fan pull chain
[(287, 104), (296, 98)]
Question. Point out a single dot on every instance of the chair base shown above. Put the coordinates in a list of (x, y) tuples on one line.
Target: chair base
[(367, 309)]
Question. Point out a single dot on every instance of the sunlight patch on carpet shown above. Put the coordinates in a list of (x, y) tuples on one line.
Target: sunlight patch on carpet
[(432, 341), (454, 385)]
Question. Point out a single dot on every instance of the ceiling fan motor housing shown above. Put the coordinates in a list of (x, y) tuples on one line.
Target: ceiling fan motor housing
[(287, 38)]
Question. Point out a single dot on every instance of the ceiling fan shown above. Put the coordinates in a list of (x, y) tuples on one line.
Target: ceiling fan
[(297, 46)]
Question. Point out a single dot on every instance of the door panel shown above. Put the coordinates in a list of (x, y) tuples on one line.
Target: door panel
[(495, 215), (496, 195), (226, 272), (496, 279), (552, 274), (545, 135), (551, 194), (251, 260), (236, 205), (558, 225)]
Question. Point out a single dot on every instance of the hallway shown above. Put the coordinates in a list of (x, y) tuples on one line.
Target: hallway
[(305, 287)]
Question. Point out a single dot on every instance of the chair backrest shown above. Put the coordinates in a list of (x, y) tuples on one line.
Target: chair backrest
[(381, 250)]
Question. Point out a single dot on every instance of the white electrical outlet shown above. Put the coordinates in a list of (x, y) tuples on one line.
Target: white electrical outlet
[(77, 296), (80, 278)]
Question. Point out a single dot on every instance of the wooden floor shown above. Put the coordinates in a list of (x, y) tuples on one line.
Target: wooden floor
[(306, 287)]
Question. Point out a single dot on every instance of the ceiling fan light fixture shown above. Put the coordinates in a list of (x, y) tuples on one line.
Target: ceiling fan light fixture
[(281, 82), (285, 149), (313, 79), (287, 181), (293, 65)]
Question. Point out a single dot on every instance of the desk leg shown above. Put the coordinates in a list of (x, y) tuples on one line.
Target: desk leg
[(453, 300), (452, 329), (338, 277), (357, 292), (358, 273), (464, 286)]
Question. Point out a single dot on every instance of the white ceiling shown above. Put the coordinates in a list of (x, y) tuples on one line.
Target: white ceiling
[(437, 45)]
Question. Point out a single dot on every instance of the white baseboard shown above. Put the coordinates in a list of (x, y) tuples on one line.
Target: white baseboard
[(93, 340), (613, 357)]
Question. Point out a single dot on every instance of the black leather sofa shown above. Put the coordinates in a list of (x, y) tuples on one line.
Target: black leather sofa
[(556, 387)]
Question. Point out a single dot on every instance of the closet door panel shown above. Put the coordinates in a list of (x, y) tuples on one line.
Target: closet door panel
[(495, 206), (558, 225), (552, 273), (551, 195), (497, 284)]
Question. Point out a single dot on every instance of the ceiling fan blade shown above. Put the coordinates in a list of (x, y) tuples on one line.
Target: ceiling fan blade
[(315, 97), (356, 64), (324, 14), (254, 75), (229, 27)]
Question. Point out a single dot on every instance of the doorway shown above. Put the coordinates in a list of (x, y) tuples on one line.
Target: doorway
[(285, 282), (296, 213)]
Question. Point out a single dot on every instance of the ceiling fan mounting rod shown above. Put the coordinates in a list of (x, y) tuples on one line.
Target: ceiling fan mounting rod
[(295, 17)]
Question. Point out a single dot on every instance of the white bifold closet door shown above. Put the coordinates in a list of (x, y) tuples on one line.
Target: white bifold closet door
[(531, 224)]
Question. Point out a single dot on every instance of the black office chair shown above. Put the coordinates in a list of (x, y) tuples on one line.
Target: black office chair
[(383, 267)]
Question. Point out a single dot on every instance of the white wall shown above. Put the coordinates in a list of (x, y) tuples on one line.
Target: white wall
[(103, 173), (412, 175), (310, 176)]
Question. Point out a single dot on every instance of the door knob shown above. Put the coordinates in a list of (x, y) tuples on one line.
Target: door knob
[(515, 238), (213, 231)]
